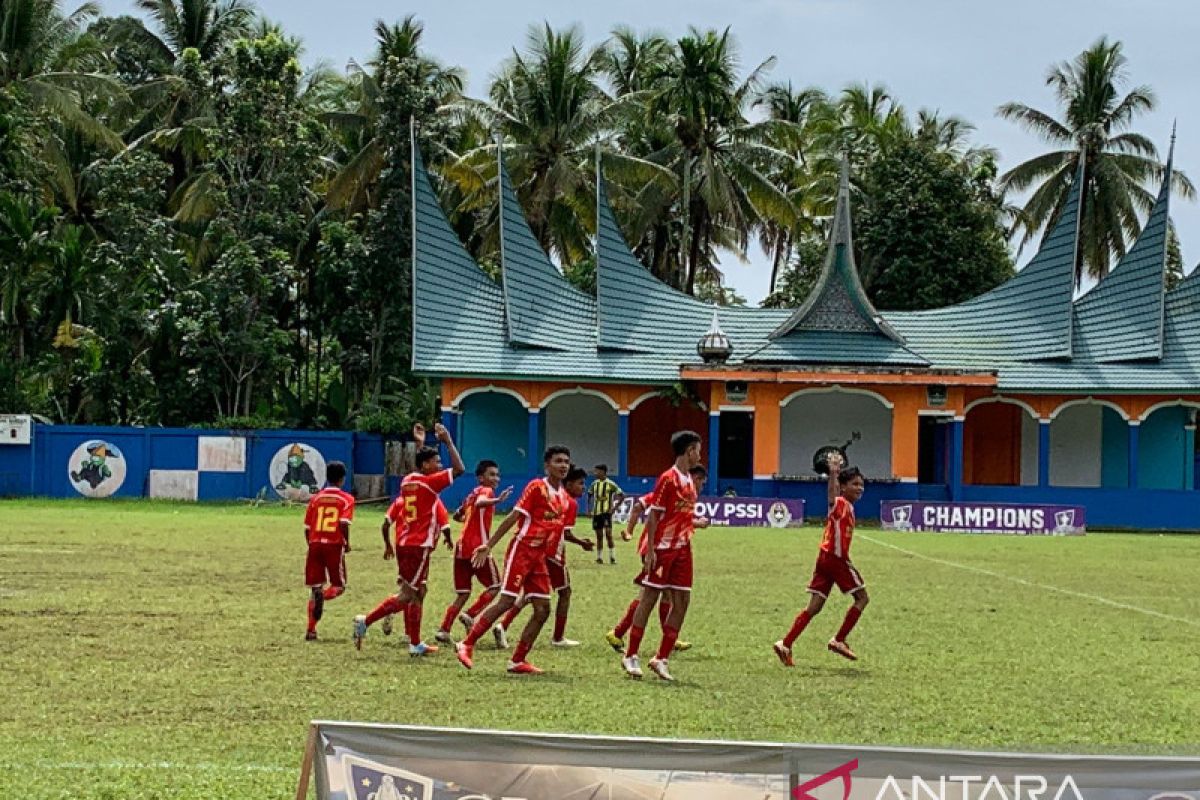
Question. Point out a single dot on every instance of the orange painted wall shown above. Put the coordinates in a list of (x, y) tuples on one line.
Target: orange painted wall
[(992, 445)]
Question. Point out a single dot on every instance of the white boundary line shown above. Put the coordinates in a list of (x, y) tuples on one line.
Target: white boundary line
[(1048, 587)]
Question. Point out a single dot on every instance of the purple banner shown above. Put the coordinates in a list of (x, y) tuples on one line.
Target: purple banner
[(759, 512), (751, 511), (1028, 519)]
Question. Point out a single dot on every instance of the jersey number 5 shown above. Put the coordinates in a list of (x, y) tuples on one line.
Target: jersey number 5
[(410, 508), (327, 519)]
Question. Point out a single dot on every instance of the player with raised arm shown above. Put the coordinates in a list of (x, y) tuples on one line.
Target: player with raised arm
[(616, 637), (477, 511), (668, 560), (539, 517), (833, 568), (327, 532), (419, 497), (556, 566)]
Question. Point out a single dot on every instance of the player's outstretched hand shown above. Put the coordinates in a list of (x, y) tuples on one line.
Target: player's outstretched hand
[(443, 435), (449, 543), (834, 461), (507, 493), (418, 433), (587, 545), (626, 536), (701, 522), (480, 556), (388, 552)]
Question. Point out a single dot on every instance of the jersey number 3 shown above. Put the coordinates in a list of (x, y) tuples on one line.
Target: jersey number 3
[(327, 519)]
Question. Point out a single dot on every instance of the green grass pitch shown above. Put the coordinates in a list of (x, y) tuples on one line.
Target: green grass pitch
[(156, 650)]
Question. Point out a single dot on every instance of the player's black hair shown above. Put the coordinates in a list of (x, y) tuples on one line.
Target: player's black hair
[(484, 466), (682, 440), (575, 473), (602, 467), (555, 450), (335, 472), (849, 474), (698, 471), (426, 454)]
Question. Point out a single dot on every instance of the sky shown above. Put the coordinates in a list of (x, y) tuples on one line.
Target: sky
[(961, 57)]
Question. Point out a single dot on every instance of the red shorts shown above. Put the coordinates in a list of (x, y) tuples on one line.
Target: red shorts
[(560, 576), (672, 570), (525, 572), (833, 571), (413, 565), (487, 575), (326, 563)]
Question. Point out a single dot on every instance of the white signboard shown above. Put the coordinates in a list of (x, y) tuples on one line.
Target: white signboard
[(16, 429), (221, 454)]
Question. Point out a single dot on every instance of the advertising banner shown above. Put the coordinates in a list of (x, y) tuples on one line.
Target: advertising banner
[(761, 512), (381, 762), (1028, 519)]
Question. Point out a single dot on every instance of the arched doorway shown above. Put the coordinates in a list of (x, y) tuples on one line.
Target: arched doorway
[(1089, 446), (813, 418), (1166, 445), (1000, 445), (586, 423), (651, 423), (494, 425)]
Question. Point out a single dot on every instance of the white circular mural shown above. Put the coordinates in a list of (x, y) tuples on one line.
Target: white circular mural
[(96, 468), (297, 471)]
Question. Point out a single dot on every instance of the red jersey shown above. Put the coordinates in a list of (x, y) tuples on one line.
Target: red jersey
[(545, 511), (395, 515), (327, 510), (419, 501), (479, 522), (646, 500), (839, 529), (675, 498), (559, 551)]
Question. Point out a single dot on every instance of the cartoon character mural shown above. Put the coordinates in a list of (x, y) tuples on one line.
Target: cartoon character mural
[(96, 468), (294, 471)]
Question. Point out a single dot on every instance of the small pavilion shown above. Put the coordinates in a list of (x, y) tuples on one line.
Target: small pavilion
[(1026, 393)]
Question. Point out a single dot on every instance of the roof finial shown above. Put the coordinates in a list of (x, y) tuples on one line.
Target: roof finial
[(1171, 149), (841, 214), (714, 346)]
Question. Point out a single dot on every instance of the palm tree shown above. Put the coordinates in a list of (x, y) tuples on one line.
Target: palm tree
[(1118, 163), (362, 148), (721, 159), (206, 26)]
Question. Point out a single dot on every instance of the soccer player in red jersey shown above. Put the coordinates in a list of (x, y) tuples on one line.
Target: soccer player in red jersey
[(419, 495), (668, 560), (616, 636), (556, 566), (327, 531), (395, 516), (477, 510), (833, 568), (541, 513)]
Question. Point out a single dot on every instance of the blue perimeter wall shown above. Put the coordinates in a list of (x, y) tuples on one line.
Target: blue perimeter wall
[(41, 469)]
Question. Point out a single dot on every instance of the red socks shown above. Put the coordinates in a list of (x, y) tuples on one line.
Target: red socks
[(312, 620), (483, 602), (522, 651), (480, 627), (635, 640), (852, 615), (664, 611), (626, 621), (391, 605), (670, 636), (451, 615), (412, 622), (509, 616), (333, 591), (560, 627), (801, 622)]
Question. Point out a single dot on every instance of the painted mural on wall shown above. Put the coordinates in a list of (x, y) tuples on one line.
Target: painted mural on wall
[(96, 468), (297, 471)]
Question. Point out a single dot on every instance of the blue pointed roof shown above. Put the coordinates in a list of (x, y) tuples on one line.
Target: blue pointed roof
[(542, 308), (1027, 318), (1122, 317)]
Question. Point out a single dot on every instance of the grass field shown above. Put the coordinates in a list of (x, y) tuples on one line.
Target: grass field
[(156, 650)]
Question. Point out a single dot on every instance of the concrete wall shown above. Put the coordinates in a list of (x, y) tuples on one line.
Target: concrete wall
[(586, 424), (496, 426), (812, 420), (1075, 446)]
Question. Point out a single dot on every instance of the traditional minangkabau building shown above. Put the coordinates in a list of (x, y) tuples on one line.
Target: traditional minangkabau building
[(1024, 394)]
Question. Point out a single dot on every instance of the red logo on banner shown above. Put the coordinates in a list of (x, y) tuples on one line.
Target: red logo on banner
[(801, 792)]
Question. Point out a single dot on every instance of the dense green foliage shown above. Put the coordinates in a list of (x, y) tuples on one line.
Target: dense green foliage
[(194, 230)]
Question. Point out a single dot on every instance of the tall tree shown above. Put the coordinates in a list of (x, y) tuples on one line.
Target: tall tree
[(207, 26), (1097, 117)]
